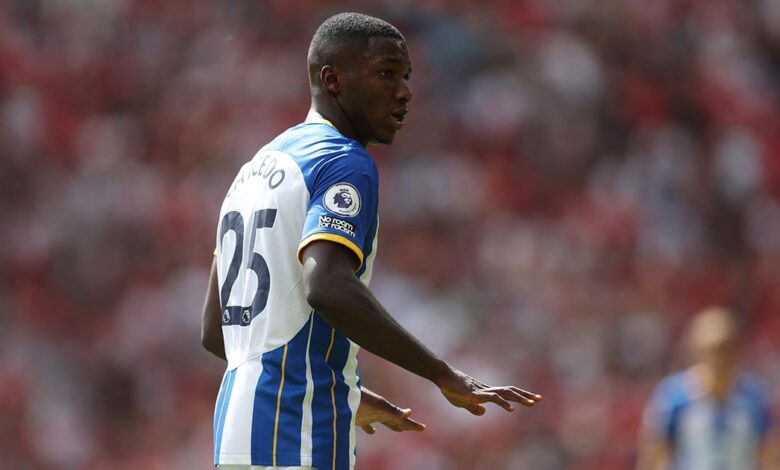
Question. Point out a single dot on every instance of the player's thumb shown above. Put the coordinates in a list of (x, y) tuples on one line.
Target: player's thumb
[(477, 410)]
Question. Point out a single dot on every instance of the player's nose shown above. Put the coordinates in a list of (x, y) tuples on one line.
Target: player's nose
[(404, 92)]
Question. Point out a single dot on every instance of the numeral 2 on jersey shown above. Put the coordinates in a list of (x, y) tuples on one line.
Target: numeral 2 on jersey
[(233, 221)]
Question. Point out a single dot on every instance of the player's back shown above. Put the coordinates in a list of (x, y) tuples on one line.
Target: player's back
[(292, 387), (259, 230)]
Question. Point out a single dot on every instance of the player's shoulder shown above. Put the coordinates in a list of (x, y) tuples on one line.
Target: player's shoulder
[(674, 381), (317, 141), (674, 389), (322, 153)]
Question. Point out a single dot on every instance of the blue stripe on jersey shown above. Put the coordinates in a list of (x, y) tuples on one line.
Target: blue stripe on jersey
[(264, 410), (324, 440), (321, 406), (218, 409), (278, 406), (337, 361), (288, 450), (223, 400), (753, 394), (678, 401)]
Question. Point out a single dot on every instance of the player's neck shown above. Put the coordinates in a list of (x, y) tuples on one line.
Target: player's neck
[(713, 381), (331, 111)]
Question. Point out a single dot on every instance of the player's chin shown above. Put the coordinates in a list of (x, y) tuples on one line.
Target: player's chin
[(385, 138)]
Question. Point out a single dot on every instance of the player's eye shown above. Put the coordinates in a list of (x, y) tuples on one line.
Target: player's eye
[(386, 74)]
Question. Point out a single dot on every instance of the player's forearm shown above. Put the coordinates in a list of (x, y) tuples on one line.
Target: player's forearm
[(212, 339), (215, 346), (348, 305), (211, 325)]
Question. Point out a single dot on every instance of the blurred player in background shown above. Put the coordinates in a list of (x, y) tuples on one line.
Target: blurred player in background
[(288, 303), (711, 416)]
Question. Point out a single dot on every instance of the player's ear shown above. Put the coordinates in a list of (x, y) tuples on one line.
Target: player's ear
[(330, 79)]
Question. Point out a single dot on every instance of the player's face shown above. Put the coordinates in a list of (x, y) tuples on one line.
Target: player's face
[(720, 356), (376, 92)]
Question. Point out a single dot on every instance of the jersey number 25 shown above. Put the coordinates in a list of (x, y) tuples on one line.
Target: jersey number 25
[(242, 315)]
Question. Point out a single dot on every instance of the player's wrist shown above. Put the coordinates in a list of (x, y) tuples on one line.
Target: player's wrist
[(441, 373)]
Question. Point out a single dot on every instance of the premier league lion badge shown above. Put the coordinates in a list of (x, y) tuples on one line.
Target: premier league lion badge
[(342, 199)]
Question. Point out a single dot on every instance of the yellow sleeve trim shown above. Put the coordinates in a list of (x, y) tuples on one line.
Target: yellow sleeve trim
[(333, 238)]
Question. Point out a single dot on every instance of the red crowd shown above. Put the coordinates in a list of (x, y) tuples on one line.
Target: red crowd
[(574, 180)]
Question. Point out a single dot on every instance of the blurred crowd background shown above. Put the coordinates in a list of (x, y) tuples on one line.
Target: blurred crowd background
[(575, 179)]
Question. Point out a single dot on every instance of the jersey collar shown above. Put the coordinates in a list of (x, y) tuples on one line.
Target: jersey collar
[(314, 116)]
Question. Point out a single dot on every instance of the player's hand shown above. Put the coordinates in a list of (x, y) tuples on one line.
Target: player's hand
[(375, 409), (469, 393)]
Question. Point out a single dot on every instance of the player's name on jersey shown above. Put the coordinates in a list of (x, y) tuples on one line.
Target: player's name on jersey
[(264, 167), (337, 224)]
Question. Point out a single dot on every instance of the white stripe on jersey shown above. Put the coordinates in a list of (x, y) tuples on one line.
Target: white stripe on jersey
[(366, 277), (237, 428), (351, 379), (306, 422)]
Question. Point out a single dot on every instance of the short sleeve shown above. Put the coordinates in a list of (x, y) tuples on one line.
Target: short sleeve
[(660, 416), (343, 204)]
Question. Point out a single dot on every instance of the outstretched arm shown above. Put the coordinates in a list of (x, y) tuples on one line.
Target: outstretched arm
[(375, 408), (211, 325), (334, 291)]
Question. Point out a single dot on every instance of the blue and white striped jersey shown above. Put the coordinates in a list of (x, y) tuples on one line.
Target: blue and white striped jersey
[(291, 389), (705, 433)]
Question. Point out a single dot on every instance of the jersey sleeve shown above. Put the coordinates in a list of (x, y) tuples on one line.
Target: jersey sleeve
[(659, 420), (343, 204)]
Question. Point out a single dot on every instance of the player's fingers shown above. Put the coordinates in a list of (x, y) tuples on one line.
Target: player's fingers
[(512, 395), (498, 400), (405, 425), (409, 422), (411, 425), (531, 395), (516, 394), (368, 429)]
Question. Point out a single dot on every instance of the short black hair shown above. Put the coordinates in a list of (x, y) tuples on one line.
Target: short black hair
[(353, 29)]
